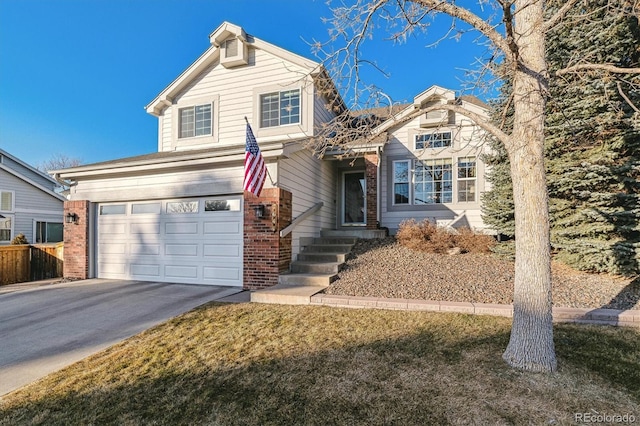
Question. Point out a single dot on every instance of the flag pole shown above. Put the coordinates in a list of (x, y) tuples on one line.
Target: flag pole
[(268, 174)]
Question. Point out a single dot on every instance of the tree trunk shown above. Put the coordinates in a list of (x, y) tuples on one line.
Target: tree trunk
[(531, 344)]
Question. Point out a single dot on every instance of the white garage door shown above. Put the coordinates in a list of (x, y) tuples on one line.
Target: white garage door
[(194, 241)]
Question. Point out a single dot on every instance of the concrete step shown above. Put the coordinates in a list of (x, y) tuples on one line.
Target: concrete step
[(306, 279), (355, 232), (327, 248), (315, 267), (322, 257), (335, 240), (286, 294)]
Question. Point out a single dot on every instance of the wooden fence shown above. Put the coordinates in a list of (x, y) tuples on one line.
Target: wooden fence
[(21, 263)]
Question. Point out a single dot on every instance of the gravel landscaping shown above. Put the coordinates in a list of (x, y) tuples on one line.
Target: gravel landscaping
[(384, 268)]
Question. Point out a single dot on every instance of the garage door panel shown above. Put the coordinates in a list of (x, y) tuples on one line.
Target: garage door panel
[(157, 243), (181, 250), (215, 273), (142, 228), (222, 250), (145, 249), (222, 228), (145, 270), (181, 228), (181, 271)]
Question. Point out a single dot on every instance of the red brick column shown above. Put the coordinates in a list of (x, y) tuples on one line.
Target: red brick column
[(371, 176), (266, 255), (76, 241)]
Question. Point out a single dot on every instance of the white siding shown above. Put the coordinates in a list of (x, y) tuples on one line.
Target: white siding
[(310, 181), (235, 90), (467, 142), (29, 203)]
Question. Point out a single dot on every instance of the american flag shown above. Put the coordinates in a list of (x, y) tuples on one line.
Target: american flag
[(255, 170)]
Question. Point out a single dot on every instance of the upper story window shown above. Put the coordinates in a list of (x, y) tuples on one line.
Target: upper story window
[(280, 108), (195, 121), (6, 201), (433, 140)]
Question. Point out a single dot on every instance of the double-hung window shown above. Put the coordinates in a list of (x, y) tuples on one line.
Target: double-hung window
[(280, 108), (196, 121), (401, 182), (6, 206), (466, 179), (433, 140)]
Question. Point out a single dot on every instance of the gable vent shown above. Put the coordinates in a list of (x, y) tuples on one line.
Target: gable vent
[(234, 52)]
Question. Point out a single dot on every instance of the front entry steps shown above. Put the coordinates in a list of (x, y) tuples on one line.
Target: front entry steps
[(317, 266)]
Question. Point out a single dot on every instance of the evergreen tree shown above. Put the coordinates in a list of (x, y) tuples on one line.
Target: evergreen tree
[(592, 150)]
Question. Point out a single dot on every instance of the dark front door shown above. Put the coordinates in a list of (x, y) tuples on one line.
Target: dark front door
[(353, 199)]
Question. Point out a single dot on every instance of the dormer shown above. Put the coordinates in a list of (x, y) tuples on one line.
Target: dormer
[(433, 96), (232, 42)]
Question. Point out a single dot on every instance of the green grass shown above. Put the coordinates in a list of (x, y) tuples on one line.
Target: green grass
[(275, 365)]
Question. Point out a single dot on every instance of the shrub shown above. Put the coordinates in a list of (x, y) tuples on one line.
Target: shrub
[(19, 239), (428, 237)]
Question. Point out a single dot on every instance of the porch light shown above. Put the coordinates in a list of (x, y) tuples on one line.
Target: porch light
[(259, 211), (71, 218)]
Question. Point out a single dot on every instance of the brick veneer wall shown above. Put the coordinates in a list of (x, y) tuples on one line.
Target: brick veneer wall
[(266, 255), (371, 176), (76, 241)]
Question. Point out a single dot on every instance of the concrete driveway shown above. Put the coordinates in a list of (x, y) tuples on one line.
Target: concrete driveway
[(45, 328)]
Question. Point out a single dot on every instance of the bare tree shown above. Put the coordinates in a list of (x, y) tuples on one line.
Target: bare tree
[(58, 162), (514, 32)]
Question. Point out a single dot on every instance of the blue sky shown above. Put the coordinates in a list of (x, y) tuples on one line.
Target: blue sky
[(75, 75)]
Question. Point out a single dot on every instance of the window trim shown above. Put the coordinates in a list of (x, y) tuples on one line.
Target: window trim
[(474, 178), (194, 116), (279, 108), (304, 127), (13, 200), (392, 206), (433, 134), (12, 230), (36, 221), (409, 163), (190, 141)]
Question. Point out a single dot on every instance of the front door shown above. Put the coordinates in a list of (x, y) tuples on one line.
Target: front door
[(354, 192)]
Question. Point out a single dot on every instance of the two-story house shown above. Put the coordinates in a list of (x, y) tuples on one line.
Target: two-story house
[(29, 204), (180, 215)]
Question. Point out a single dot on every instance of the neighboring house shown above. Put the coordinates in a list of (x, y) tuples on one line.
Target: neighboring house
[(180, 215), (29, 204)]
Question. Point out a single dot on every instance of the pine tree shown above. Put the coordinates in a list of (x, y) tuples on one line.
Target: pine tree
[(592, 150)]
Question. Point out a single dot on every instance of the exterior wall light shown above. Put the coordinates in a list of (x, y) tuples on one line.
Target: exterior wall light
[(259, 211), (71, 218)]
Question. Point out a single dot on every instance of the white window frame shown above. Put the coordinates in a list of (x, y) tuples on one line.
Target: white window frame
[(408, 182), (279, 108), (195, 131), (435, 140), (177, 141), (433, 194), (13, 201), (466, 178), (11, 228)]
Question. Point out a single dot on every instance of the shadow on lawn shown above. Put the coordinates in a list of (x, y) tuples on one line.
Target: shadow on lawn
[(429, 376)]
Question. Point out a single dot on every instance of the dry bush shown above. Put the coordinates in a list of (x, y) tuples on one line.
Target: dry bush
[(428, 237)]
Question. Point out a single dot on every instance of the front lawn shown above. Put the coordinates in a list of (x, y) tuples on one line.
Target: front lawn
[(268, 364)]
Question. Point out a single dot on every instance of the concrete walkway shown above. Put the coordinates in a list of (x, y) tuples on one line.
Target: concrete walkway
[(45, 326)]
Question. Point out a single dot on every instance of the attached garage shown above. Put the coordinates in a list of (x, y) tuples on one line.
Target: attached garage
[(193, 241)]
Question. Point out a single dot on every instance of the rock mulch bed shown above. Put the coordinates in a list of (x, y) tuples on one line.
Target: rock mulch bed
[(384, 268)]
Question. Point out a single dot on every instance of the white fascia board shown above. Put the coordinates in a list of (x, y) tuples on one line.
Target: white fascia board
[(33, 169), (228, 157), (165, 97), (32, 183)]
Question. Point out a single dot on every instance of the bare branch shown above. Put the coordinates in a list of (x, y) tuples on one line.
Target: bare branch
[(478, 119), (559, 15), (597, 67), (472, 19), (626, 98)]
